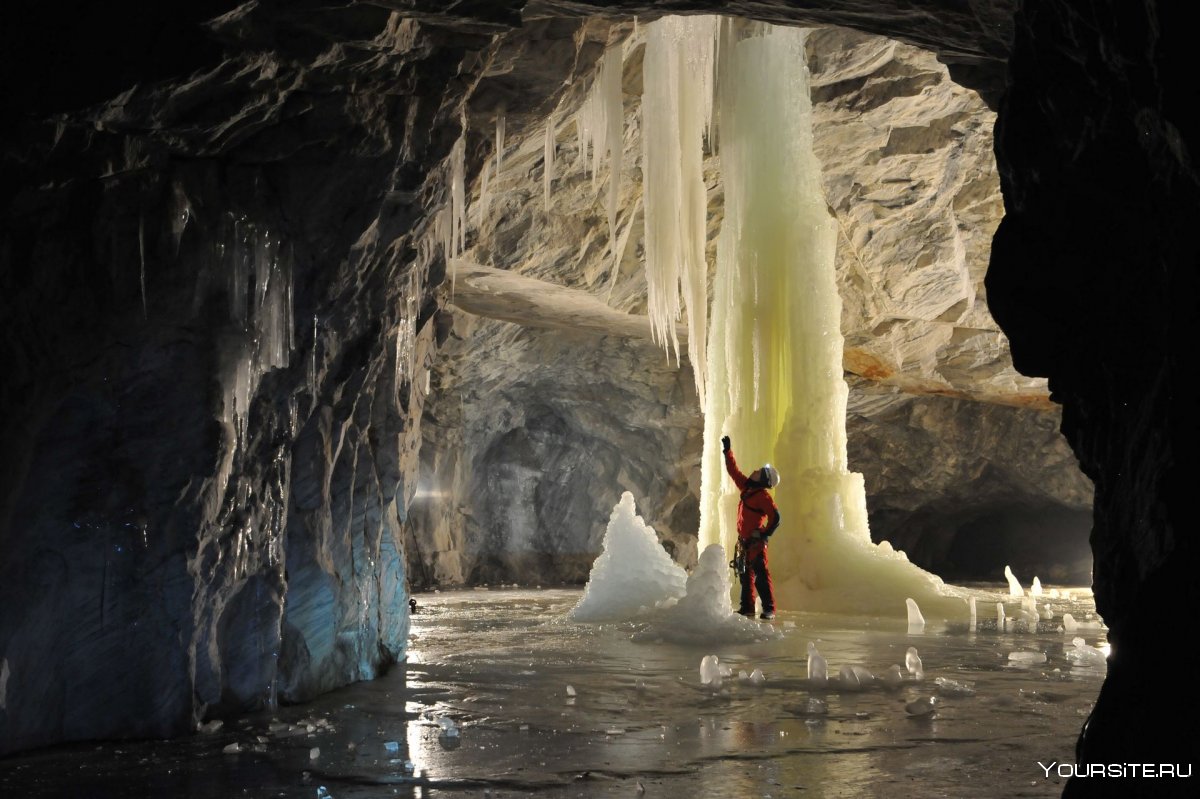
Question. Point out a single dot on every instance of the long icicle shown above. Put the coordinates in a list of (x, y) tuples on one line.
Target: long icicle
[(548, 161), (678, 74)]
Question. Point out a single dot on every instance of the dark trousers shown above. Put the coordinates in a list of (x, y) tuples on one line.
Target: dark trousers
[(756, 576)]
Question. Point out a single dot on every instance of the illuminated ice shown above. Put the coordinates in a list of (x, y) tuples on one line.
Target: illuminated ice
[(1029, 612), (449, 728), (916, 622), (1000, 617), (1070, 624), (971, 606), (710, 671), (1036, 588), (848, 678), (1014, 585), (1081, 654), (1027, 657), (912, 662), (757, 677), (677, 78), (704, 613), (775, 297), (949, 687), (632, 572), (817, 668), (921, 707)]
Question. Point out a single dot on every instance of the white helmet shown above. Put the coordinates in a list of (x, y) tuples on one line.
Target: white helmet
[(770, 475)]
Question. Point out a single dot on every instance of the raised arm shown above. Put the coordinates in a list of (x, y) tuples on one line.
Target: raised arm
[(731, 466)]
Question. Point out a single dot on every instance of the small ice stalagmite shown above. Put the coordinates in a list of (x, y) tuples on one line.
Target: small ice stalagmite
[(974, 619), (1080, 654), (949, 687), (1070, 624), (999, 617), (913, 662), (848, 679), (710, 671), (921, 707), (1014, 585), (916, 622), (1036, 588), (864, 675), (817, 669), (894, 676), (449, 728), (1029, 613), (757, 677)]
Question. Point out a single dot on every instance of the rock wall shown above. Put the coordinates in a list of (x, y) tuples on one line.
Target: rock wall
[(206, 435), (1093, 276)]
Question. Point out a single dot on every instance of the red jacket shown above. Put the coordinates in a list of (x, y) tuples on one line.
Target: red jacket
[(756, 505)]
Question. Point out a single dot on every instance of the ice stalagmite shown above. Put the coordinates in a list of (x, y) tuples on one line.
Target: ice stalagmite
[(633, 575), (775, 347)]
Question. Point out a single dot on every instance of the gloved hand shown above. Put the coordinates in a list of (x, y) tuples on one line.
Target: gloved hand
[(724, 443)]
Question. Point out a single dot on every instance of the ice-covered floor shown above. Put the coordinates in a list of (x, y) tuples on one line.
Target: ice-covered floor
[(495, 667)]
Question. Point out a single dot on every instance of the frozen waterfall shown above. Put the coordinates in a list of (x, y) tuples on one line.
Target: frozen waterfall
[(774, 349)]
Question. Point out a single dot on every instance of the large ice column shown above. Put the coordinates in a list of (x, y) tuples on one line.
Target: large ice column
[(775, 380)]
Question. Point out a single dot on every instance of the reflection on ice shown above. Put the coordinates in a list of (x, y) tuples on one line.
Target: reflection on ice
[(494, 665)]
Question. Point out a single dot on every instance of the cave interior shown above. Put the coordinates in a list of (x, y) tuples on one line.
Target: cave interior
[(305, 308)]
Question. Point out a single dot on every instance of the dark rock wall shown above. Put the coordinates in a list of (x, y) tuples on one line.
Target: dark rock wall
[(1093, 277), (205, 432)]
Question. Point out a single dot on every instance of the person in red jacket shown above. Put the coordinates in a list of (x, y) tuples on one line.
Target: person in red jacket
[(756, 520)]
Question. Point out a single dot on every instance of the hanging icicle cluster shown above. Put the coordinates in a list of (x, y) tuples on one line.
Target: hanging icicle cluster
[(601, 127), (678, 75), (260, 305)]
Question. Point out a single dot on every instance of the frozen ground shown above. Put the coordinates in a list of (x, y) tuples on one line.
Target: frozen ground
[(496, 666)]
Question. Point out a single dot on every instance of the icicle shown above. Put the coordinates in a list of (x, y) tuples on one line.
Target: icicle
[(238, 271), (485, 197), (614, 122), (312, 368), (142, 256), (181, 214), (676, 102), (458, 197), (499, 143), (548, 161)]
